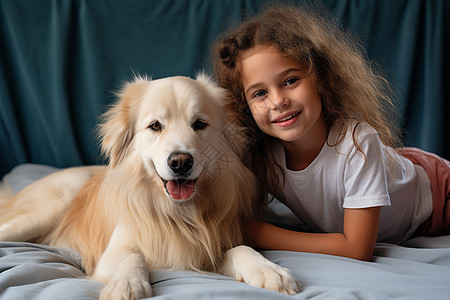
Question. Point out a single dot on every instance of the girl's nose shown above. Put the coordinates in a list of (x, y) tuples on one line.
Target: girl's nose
[(278, 100)]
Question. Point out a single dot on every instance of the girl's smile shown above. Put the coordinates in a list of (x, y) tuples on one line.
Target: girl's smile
[(287, 119)]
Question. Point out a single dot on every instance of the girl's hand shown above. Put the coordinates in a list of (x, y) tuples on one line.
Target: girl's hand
[(357, 240), (251, 232)]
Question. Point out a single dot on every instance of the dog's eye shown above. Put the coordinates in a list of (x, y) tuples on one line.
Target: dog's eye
[(199, 125), (155, 126)]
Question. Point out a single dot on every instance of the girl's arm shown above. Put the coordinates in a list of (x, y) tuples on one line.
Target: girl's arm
[(357, 240)]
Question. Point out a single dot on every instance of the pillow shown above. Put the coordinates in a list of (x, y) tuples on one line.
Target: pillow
[(22, 175)]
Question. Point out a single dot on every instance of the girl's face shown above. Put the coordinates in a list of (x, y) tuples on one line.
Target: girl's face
[(283, 101)]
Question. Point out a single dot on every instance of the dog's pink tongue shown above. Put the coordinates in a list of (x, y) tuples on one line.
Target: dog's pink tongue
[(180, 190)]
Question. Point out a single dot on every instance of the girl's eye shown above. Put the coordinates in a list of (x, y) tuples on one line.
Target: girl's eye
[(155, 126), (259, 94), (199, 125), (290, 81)]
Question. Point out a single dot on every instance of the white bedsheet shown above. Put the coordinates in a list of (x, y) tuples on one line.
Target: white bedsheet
[(418, 269)]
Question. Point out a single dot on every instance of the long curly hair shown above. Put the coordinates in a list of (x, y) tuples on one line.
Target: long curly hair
[(348, 85)]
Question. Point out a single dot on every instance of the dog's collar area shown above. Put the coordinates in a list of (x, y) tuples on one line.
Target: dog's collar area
[(179, 189)]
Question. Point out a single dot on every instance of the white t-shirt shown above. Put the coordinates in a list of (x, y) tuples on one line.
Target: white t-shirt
[(340, 178)]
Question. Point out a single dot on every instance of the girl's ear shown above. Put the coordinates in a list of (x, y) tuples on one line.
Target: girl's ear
[(116, 132)]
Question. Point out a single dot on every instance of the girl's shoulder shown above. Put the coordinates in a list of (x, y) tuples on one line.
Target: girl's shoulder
[(349, 131), (346, 135)]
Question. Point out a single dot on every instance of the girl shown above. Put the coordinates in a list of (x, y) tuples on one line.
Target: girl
[(325, 140)]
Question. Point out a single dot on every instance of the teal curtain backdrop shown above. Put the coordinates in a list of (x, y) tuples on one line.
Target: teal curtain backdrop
[(61, 61)]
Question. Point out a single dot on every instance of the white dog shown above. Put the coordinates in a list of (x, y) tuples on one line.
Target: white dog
[(174, 195)]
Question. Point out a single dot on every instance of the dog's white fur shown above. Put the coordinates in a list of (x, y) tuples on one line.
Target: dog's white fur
[(121, 219)]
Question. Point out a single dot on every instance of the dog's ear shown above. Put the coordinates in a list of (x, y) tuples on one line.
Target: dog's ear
[(236, 135), (116, 131), (215, 92)]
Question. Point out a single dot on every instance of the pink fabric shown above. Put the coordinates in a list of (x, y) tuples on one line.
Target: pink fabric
[(438, 171)]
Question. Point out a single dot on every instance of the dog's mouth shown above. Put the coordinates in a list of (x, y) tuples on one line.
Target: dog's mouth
[(180, 189)]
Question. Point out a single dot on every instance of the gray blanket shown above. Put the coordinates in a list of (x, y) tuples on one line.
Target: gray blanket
[(418, 269)]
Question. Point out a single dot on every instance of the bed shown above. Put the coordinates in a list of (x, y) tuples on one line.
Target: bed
[(417, 269), (62, 60)]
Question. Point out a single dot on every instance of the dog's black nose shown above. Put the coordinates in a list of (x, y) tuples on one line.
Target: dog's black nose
[(180, 163)]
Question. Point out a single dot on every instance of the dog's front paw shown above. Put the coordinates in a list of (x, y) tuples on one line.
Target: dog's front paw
[(125, 289), (130, 280), (270, 276), (249, 266)]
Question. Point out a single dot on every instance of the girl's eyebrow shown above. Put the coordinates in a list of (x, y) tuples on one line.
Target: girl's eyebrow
[(282, 74), (252, 87)]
